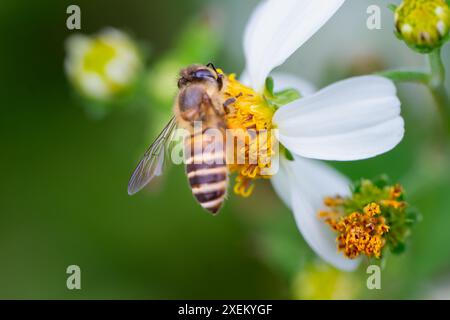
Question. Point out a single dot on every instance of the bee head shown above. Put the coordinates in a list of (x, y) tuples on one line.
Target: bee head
[(200, 73)]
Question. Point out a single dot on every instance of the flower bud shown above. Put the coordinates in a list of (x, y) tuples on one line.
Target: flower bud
[(319, 281), (423, 24)]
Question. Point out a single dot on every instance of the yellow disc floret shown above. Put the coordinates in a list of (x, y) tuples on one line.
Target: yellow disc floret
[(423, 23), (374, 218), (359, 233), (395, 192), (249, 119)]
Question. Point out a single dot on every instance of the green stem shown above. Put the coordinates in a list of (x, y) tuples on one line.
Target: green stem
[(406, 76), (435, 81), (437, 69), (437, 87)]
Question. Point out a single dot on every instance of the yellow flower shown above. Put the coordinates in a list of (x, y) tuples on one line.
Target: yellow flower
[(359, 233), (250, 117), (374, 217), (319, 281)]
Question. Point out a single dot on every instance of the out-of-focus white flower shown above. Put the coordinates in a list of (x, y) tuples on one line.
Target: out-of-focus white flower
[(102, 65), (437, 289), (353, 119), (318, 281)]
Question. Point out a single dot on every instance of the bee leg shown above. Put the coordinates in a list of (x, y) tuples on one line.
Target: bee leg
[(218, 109), (228, 102)]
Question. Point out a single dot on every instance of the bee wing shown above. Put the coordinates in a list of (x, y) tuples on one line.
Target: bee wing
[(152, 163)]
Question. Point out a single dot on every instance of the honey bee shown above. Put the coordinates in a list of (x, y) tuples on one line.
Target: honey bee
[(199, 98)]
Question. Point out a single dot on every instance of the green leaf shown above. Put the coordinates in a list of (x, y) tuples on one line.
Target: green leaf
[(392, 7), (281, 98), (357, 185), (381, 181), (269, 87), (284, 97), (413, 215), (288, 155), (398, 248)]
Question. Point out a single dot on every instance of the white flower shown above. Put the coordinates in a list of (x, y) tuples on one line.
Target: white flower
[(102, 65), (353, 119)]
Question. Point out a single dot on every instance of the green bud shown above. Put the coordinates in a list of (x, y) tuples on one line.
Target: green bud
[(423, 24)]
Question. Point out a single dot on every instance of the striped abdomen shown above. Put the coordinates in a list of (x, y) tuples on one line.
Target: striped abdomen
[(206, 171)]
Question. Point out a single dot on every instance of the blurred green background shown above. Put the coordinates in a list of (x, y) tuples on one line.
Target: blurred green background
[(63, 196)]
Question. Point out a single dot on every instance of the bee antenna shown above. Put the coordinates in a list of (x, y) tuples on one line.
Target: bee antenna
[(219, 75)]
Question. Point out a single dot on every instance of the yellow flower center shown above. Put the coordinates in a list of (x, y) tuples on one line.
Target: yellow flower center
[(250, 118), (423, 22), (99, 55), (359, 233), (97, 59)]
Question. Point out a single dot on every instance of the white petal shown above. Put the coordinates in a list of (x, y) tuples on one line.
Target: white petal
[(93, 85), (311, 182), (111, 35), (120, 70), (284, 81), (281, 182), (277, 28), (76, 46), (352, 119), (244, 78)]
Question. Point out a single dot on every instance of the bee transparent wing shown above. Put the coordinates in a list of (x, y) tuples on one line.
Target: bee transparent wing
[(152, 163)]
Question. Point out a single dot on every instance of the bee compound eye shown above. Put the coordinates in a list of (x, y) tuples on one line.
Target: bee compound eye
[(203, 74)]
